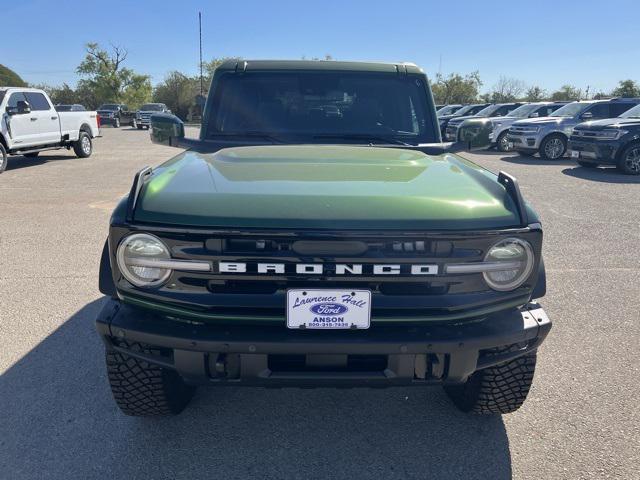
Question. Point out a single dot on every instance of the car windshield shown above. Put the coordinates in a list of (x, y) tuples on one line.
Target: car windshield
[(151, 107), (523, 111), (632, 113), (448, 109), (109, 106), (570, 110), (315, 105), (487, 111), (63, 108), (465, 110)]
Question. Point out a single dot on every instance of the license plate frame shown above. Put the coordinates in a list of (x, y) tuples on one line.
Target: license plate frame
[(328, 309)]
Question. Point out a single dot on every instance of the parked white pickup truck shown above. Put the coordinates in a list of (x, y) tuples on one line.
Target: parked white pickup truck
[(30, 124)]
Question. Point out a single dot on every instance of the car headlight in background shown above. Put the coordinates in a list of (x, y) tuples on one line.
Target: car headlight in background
[(138, 259), (611, 134), (509, 263)]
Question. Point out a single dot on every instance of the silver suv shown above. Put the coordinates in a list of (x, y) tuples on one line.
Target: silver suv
[(501, 125), (549, 135), (494, 110)]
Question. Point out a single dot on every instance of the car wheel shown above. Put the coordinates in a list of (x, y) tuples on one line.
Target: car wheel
[(116, 123), (83, 147), (3, 158), (31, 154), (587, 164), (553, 147), (499, 389), (502, 143), (629, 162), (142, 389)]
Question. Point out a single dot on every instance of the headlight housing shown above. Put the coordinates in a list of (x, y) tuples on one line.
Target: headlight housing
[(136, 256), (508, 264)]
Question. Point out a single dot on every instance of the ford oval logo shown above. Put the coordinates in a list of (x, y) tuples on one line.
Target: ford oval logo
[(328, 309)]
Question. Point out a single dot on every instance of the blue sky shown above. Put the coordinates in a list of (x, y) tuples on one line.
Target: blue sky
[(541, 42)]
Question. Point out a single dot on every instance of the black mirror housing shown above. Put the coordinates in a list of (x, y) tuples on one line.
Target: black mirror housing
[(23, 107), (475, 133), (166, 129)]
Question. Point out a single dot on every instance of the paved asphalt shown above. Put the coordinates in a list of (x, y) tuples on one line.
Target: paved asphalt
[(58, 420)]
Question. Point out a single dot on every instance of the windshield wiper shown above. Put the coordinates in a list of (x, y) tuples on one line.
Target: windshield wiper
[(366, 137), (248, 134)]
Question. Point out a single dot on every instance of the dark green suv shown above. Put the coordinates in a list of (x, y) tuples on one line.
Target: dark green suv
[(318, 233)]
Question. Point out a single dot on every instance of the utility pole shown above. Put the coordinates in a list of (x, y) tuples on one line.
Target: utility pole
[(200, 33)]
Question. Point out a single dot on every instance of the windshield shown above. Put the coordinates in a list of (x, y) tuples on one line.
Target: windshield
[(467, 109), (152, 107), (523, 111), (570, 110), (487, 111), (631, 113), (448, 109), (109, 106), (340, 105)]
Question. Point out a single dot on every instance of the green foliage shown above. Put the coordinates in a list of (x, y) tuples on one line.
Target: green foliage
[(507, 89), (9, 78), (535, 94), (567, 93), (108, 81), (456, 88), (627, 88), (178, 92)]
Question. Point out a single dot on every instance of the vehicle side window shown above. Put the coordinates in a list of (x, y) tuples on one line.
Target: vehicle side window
[(37, 101), (549, 109), (15, 98), (600, 110), (506, 109), (618, 109), (125, 108)]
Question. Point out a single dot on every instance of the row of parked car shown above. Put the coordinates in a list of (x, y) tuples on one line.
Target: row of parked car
[(593, 132), (118, 114)]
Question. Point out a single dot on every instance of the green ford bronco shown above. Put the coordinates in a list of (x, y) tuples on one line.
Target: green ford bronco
[(320, 234)]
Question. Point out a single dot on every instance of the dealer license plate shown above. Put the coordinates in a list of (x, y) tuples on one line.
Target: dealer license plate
[(328, 309)]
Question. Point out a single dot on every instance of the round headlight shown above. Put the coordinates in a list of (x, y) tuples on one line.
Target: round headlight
[(136, 256), (511, 262)]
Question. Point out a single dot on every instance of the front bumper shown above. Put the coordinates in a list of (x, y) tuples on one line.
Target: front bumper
[(602, 151), (527, 141), (275, 356), (451, 132)]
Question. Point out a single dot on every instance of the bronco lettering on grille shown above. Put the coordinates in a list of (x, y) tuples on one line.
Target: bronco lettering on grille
[(319, 268)]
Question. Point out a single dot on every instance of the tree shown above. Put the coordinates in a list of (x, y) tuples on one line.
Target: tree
[(178, 92), (507, 89), (63, 94), (566, 93), (9, 78), (109, 81), (627, 88), (456, 88), (535, 94)]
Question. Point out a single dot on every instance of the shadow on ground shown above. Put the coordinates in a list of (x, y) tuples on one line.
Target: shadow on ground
[(527, 160), (605, 175), (17, 162), (59, 421)]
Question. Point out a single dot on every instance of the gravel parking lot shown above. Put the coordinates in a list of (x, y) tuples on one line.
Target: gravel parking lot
[(58, 420)]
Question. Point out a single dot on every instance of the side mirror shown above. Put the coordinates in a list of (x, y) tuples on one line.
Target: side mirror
[(21, 108), (166, 129), (534, 115), (475, 134), (587, 116)]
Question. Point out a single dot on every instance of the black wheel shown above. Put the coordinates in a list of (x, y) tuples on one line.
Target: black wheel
[(116, 123), (3, 158), (502, 143), (587, 164), (499, 389), (31, 155), (144, 390), (553, 147), (83, 147), (629, 162)]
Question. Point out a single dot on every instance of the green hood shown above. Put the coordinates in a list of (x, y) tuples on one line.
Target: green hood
[(324, 186)]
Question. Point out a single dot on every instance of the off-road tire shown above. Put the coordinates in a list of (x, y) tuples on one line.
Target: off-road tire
[(144, 390), (554, 137), (499, 389), (31, 155), (500, 142), (587, 164), (3, 158), (623, 164), (83, 147)]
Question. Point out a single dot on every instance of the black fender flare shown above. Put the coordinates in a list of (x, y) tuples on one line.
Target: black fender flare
[(105, 278), (540, 288)]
